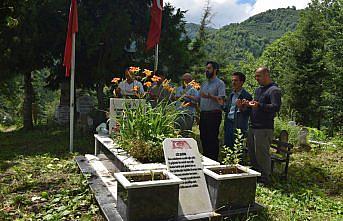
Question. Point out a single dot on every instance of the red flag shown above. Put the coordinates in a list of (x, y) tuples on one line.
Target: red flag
[(72, 28), (155, 24)]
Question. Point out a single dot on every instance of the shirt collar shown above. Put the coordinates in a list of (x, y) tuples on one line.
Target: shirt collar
[(268, 85), (238, 92), (134, 81), (212, 80)]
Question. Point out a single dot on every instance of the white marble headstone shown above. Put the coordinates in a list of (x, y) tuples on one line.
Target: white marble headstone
[(183, 160)]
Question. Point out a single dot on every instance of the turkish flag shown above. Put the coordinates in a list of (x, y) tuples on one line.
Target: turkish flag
[(155, 24), (72, 28)]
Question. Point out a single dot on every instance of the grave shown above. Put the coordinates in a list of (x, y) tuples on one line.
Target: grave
[(183, 160)]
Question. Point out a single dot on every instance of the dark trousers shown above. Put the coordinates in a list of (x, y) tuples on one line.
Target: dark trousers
[(184, 123), (229, 133), (209, 131)]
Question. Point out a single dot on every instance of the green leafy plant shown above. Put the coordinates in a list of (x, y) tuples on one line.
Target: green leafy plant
[(233, 154), (142, 129), (317, 135), (142, 134)]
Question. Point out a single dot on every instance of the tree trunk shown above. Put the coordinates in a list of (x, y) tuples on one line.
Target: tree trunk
[(28, 100)]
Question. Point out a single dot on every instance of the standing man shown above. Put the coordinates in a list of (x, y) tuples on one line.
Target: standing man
[(186, 104), (130, 88), (267, 102), (237, 115), (212, 94)]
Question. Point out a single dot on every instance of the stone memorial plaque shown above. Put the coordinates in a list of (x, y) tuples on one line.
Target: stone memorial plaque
[(84, 104), (183, 160)]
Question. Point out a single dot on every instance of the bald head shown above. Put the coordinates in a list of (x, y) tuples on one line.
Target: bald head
[(262, 76), (263, 70)]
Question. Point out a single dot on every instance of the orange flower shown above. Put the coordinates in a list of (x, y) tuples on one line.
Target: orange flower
[(147, 72), (134, 69), (155, 78), (197, 86), (194, 84), (135, 88), (115, 80), (148, 84), (169, 88), (186, 104)]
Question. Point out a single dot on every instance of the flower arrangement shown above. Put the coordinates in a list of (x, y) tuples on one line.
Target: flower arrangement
[(148, 81), (141, 135)]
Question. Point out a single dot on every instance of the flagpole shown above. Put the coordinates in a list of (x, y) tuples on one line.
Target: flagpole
[(156, 58), (72, 96)]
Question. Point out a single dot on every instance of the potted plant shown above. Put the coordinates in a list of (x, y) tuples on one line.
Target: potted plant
[(231, 185), (147, 195)]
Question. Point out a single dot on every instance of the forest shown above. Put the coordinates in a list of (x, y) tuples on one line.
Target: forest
[(302, 48)]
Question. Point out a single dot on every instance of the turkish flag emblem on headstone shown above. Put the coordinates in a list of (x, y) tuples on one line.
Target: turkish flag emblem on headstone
[(182, 144)]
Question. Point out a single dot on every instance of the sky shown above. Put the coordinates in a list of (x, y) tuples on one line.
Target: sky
[(232, 11)]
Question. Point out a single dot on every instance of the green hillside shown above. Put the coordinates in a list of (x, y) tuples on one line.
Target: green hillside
[(231, 42), (192, 30), (272, 24)]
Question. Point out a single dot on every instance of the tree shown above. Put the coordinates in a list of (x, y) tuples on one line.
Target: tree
[(174, 54), (198, 44), (112, 36), (333, 58), (30, 41), (308, 64), (279, 58)]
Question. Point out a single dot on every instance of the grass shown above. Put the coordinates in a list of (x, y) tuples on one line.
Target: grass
[(314, 190), (39, 180)]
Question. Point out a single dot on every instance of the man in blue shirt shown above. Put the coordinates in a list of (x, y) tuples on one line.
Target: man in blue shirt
[(186, 105), (237, 115), (212, 94)]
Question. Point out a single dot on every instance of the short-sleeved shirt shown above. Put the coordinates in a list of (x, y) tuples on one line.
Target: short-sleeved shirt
[(215, 87), (127, 89), (189, 90)]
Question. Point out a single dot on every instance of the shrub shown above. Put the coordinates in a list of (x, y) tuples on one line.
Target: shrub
[(317, 135), (233, 154)]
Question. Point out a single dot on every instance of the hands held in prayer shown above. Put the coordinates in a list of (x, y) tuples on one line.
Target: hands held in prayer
[(219, 100), (254, 104), (241, 104), (204, 95)]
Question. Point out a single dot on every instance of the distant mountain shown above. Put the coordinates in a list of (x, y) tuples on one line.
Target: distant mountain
[(231, 42), (192, 30)]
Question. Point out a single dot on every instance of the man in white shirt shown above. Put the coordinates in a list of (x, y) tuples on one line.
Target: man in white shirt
[(130, 88)]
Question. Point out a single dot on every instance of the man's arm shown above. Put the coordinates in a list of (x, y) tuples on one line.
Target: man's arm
[(194, 97), (221, 94), (243, 103), (141, 88), (275, 102)]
